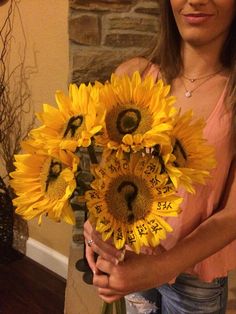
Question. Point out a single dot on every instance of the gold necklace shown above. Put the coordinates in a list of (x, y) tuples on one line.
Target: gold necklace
[(188, 92), (192, 80)]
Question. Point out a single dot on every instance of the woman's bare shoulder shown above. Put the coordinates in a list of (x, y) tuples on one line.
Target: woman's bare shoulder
[(130, 66)]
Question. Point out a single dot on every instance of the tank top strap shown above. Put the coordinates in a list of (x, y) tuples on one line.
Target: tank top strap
[(153, 70), (220, 107)]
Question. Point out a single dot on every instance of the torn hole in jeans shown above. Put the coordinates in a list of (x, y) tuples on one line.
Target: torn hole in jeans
[(140, 304)]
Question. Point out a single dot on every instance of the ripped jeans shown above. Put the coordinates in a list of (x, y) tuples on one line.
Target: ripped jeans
[(187, 295)]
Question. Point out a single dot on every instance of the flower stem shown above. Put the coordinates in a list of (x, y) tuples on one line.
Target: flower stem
[(120, 306), (92, 154), (107, 308)]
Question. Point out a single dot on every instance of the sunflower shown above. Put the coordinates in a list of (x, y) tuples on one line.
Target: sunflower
[(129, 200), (73, 124), (44, 185), (192, 158), (139, 113)]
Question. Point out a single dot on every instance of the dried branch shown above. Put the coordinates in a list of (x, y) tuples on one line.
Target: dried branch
[(16, 110)]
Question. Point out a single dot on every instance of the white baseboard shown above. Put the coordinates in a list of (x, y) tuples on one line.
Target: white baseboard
[(47, 257)]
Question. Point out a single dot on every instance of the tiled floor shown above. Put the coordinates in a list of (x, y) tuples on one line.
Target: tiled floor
[(82, 298)]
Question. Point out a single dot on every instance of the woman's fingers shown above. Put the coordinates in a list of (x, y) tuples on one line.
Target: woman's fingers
[(103, 248), (110, 298), (104, 265), (91, 258), (106, 249), (105, 291), (101, 281), (88, 229)]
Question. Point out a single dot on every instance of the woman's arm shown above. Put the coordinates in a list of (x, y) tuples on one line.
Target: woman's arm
[(139, 272), (214, 233)]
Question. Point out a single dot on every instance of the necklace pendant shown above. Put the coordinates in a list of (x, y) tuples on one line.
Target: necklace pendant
[(188, 93), (192, 80)]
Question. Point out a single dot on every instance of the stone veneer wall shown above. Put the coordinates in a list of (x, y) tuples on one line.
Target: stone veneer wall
[(103, 33)]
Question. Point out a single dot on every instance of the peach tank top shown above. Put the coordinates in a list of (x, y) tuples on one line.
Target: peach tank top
[(198, 207)]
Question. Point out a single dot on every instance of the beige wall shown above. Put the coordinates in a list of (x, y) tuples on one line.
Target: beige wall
[(45, 25)]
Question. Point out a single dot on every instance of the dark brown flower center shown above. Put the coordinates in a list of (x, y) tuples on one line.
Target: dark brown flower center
[(180, 154), (128, 121), (129, 198), (131, 191), (55, 169), (73, 125)]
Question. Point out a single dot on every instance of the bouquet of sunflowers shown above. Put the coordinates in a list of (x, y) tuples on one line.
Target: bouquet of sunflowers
[(148, 151)]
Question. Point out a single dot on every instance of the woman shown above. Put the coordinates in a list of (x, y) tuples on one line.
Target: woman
[(197, 56)]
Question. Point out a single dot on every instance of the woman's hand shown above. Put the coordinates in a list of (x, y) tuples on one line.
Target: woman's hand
[(95, 244), (136, 273)]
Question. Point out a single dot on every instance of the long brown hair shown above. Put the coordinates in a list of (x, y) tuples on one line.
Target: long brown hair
[(167, 53)]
